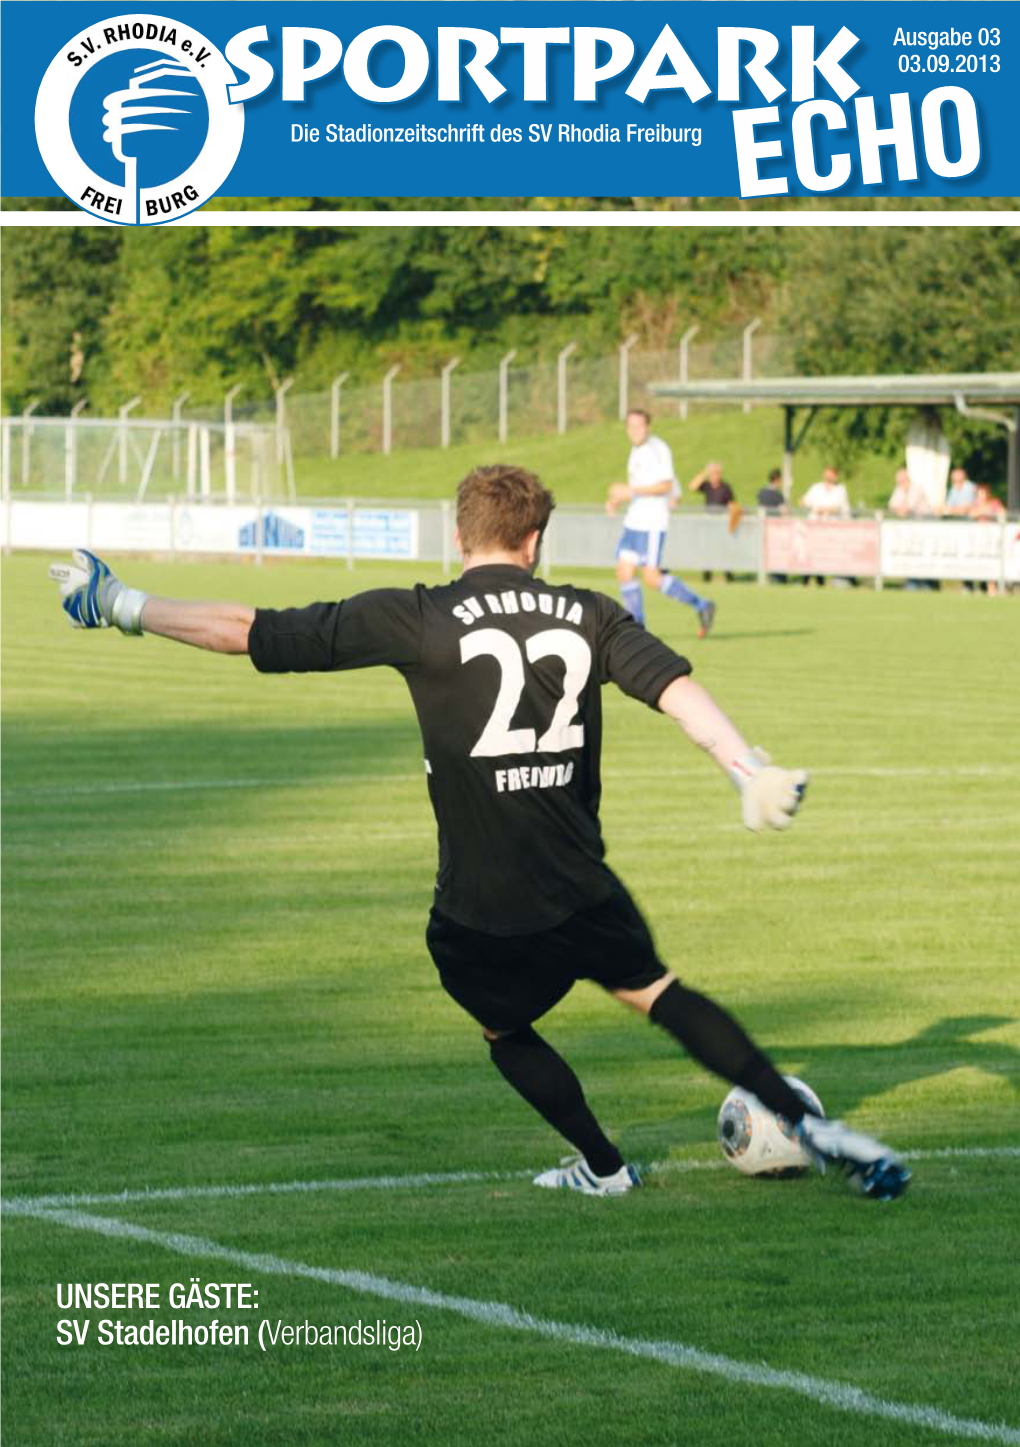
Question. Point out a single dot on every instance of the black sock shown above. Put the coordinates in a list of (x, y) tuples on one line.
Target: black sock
[(716, 1041), (548, 1084)]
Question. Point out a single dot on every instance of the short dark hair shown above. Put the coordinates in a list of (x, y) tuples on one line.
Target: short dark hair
[(639, 412), (498, 506), (775, 474)]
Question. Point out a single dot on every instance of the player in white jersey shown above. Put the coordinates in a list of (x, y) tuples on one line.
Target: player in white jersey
[(651, 490)]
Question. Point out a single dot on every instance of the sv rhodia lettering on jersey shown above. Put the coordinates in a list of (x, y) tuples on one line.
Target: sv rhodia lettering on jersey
[(509, 602)]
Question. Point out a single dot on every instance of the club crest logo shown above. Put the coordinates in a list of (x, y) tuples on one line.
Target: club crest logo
[(133, 120)]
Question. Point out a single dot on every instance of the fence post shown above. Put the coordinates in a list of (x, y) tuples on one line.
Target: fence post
[(229, 442), (26, 441), (624, 396), (334, 413), (444, 401), (5, 458), (122, 441), (561, 386), (71, 448), (504, 393), (175, 441), (192, 458), (685, 345), (879, 518), (288, 463), (204, 468), (281, 415), (387, 408), (749, 332), (447, 542), (5, 485)]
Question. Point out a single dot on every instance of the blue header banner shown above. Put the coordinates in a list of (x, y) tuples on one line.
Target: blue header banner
[(142, 115)]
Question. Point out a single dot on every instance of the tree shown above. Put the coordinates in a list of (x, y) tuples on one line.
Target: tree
[(903, 299), (58, 284)]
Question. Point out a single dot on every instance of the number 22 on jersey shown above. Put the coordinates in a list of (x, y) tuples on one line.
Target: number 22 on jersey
[(498, 737)]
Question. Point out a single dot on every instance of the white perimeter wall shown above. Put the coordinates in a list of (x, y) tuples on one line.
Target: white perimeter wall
[(577, 537)]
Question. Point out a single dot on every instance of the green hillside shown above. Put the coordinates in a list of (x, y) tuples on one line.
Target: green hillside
[(580, 465)]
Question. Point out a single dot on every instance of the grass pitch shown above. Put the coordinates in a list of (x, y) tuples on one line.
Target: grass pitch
[(215, 975)]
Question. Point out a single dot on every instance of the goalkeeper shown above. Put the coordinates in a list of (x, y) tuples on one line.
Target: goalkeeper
[(505, 674)]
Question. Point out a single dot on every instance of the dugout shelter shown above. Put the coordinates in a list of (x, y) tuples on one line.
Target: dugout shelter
[(991, 396)]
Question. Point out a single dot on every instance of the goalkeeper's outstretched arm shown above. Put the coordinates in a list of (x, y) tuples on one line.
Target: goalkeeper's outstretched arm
[(769, 796), (93, 597), (220, 627)]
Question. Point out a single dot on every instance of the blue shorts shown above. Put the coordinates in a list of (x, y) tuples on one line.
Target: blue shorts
[(638, 547)]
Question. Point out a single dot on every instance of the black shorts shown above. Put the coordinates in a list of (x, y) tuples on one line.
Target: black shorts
[(506, 981)]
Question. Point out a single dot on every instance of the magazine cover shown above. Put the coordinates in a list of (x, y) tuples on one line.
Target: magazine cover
[(510, 526)]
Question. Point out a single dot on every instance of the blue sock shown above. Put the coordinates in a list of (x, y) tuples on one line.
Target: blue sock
[(673, 588), (633, 600)]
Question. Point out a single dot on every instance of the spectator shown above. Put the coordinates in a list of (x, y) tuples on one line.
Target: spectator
[(827, 498), (962, 494), (824, 501), (717, 494), (960, 499), (773, 500), (910, 501), (986, 507), (771, 496)]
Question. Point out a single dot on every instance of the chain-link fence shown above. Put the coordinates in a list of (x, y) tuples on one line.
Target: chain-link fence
[(247, 444)]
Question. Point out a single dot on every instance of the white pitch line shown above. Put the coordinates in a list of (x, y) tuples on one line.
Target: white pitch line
[(838, 771), (838, 1395), (35, 1204), (145, 786), (949, 771), (267, 1188)]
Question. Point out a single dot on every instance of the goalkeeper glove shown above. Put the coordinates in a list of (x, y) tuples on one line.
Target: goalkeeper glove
[(768, 795), (92, 597)]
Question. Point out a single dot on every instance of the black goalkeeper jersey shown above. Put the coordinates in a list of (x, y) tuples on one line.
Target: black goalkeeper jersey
[(505, 672)]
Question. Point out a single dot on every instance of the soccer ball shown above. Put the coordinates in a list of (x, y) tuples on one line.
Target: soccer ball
[(757, 1141)]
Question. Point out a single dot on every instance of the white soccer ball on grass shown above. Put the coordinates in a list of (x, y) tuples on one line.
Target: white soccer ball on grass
[(759, 1142)]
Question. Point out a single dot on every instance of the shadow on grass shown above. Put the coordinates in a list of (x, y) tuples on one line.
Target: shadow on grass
[(43, 765), (761, 633), (296, 1078), (867, 1071), (847, 1076)]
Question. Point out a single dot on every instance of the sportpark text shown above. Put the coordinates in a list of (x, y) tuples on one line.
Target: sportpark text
[(457, 63)]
